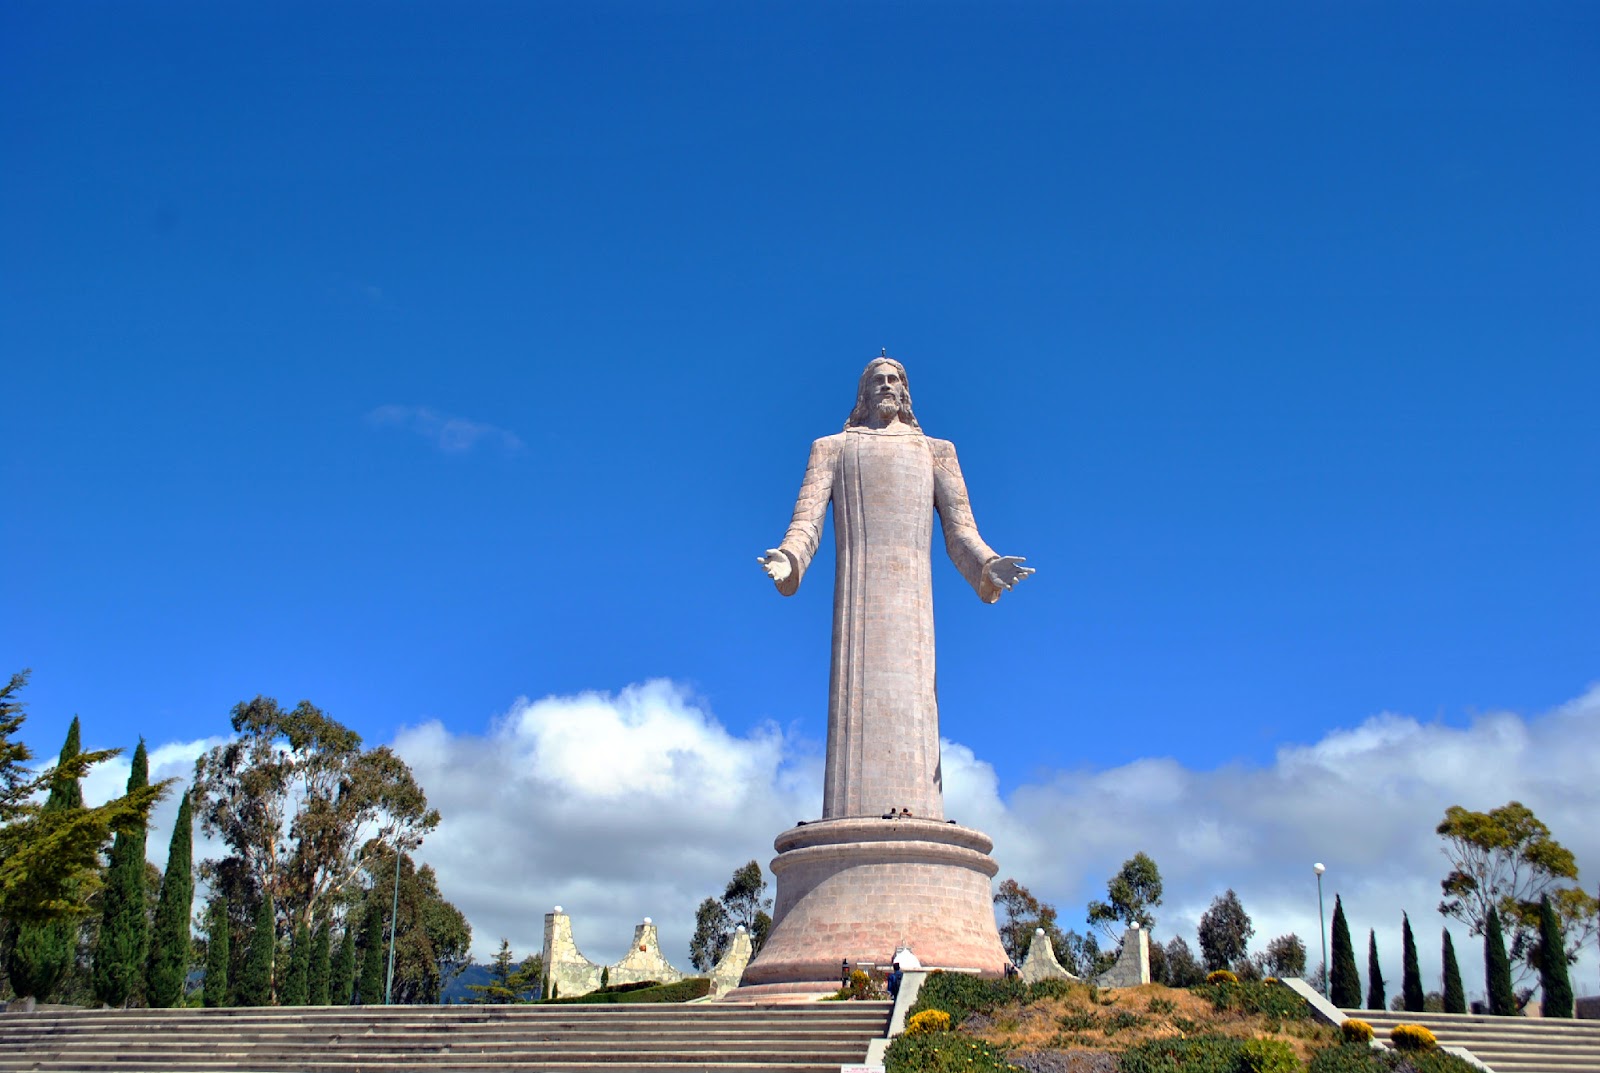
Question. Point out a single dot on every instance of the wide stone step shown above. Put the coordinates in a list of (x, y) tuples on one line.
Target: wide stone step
[(1505, 1044), (571, 1039)]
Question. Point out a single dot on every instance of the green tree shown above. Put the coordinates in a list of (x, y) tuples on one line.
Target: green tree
[(321, 966), (1375, 987), (1506, 859), (711, 935), (40, 951), (1225, 931), (744, 903), (1131, 894), (370, 987), (1553, 978), (50, 853), (510, 982), (118, 966), (1183, 968), (1411, 993), (342, 976), (255, 986), (218, 993), (1021, 914), (1344, 981), (296, 987), (1497, 967), (432, 939), (170, 945), (306, 774), (1284, 957), (1455, 997)]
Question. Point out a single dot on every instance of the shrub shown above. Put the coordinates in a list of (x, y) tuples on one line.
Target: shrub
[(1199, 1054), (1354, 1031), (1054, 987), (943, 1052), (1347, 1058), (1268, 1056), (959, 994), (1221, 976), (1412, 1038), (1271, 1000), (682, 991), (928, 1021)]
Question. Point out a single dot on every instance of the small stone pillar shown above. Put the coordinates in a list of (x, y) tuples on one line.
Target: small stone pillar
[(725, 976), (643, 961), (567, 970), (1041, 963), (1132, 967)]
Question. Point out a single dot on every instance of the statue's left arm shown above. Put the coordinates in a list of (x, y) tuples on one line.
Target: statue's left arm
[(987, 572)]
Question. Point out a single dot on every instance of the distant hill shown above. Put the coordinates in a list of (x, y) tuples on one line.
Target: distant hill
[(456, 991)]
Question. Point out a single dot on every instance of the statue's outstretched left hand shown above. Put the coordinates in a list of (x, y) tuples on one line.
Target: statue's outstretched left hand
[(1007, 570)]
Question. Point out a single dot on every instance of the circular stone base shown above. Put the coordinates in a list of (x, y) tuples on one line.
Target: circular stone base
[(855, 890)]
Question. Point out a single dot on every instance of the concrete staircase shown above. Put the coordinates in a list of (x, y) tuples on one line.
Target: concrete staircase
[(1504, 1044), (648, 1038)]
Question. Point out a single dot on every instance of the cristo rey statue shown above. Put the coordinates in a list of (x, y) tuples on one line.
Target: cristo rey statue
[(882, 869)]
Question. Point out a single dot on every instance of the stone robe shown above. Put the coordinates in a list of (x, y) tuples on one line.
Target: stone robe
[(883, 712)]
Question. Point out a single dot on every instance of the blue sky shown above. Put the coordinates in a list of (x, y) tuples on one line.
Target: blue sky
[(416, 360)]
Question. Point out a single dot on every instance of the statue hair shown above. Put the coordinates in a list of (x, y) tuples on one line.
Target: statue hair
[(862, 414)]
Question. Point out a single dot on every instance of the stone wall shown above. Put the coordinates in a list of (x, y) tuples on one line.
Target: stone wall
[(569, 973)]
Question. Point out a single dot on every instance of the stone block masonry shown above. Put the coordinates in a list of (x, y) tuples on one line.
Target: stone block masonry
[(569, 973)]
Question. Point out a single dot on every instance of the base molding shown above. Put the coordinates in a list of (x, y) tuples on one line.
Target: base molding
[(855, 890)]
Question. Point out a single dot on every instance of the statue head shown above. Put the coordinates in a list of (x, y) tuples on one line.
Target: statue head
[(883, 391)]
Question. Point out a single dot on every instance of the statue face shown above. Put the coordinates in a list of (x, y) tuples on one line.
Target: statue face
[(885, 389)]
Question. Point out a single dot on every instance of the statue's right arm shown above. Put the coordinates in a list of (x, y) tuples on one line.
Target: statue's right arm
[(810, 508)]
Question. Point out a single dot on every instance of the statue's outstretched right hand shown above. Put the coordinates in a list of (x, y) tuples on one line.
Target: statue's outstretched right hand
[(776, 564)]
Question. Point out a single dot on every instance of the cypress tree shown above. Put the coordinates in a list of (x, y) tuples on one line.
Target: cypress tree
[(1497, 968), (217, 992), (1374, 974), (1411, 975), (370, 987), (169, 940), (1455, 997), (118, 964), (321, 967), (342, 978), (297, 980), (256, 987), (1344, 982), (1553, 978), (41, 953)]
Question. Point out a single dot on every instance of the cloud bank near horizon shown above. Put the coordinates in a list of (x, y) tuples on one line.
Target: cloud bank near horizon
[(641, 803)]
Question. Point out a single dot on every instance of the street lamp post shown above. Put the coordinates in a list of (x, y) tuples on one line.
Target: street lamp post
[(394, 922), (1322, 921)]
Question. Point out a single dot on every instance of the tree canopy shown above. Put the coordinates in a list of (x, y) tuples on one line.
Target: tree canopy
[(300, 804), (744, 903), (1506, 860), (1131, 894), (1225, 931)]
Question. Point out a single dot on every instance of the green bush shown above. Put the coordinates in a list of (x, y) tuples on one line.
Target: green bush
[(959, 994), (1200, 1054), (1271, 1000), (1347, 1058), (682, 991), (943, 1052), (1268, 1056), (1360, 1058)]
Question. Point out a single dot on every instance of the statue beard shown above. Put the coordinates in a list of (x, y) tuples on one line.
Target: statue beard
[(888, 408)]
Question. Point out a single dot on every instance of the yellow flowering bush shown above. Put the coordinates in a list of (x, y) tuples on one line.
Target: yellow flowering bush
[(1412, 1038), (1355, 1031), (927, 1021), (1222, 976)]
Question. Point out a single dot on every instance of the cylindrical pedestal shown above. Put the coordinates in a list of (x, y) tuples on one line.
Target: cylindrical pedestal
[(857, 889)]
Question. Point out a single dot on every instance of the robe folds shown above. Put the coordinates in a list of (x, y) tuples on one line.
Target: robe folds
[(883, 711)]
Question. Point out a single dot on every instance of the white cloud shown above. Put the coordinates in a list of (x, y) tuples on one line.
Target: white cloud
[(452, 435), (640, 803)]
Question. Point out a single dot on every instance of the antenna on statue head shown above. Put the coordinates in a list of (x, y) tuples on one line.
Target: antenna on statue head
[(883, 352)]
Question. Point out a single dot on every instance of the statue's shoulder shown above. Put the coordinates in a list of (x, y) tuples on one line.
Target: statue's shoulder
[(829, 444), (941, 448)]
